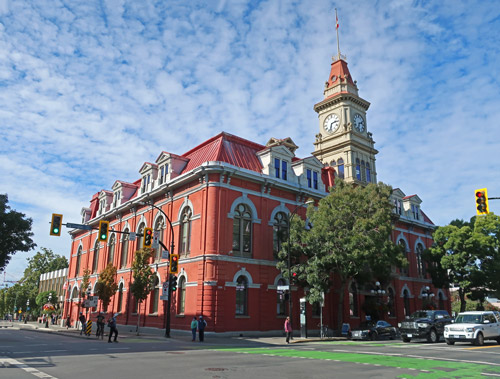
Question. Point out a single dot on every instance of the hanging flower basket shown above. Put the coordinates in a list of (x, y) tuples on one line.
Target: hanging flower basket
[(48, 307)]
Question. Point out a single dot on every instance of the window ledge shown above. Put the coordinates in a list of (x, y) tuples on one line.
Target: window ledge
[(180, 316), (241, 316), (153, 314)]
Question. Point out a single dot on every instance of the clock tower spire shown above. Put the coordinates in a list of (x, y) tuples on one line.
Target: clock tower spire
[(343, 141)]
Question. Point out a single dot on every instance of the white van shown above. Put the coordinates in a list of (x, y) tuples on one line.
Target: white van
[(474, 327)]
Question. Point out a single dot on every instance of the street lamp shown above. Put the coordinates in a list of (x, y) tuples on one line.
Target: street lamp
[(27, 309), (47, 319), (379, 292), (291, 214), (427, 296), (169, 301)]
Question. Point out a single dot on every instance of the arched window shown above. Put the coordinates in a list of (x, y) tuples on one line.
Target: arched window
[(353, 300), (241, 296), (160, 228), (404, 270), (333, 163), (420, 263), (280, 300), (181, 287), (140, 239), (280, 231), (111, 249), (358, 169), (155, 297), (391, 302), (120, 298), (363, 172), (124, 253), (78, 260), (185, 242), (95, 263), (368, 173), (340, 165), (74, 294), (242, 230), (406, 301)]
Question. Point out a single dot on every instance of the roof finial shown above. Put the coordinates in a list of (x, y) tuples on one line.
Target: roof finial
[(337, 28)]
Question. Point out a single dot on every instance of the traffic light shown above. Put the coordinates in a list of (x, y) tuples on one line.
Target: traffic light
[(482, 201), (103, 230), (174, 263), (56, 224), (148, 237), (173, 282)]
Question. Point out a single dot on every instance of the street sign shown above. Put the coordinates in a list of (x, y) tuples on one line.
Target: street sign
[(283, 288), (132, 236), (78, 226), (91, 302), (164, 254), (164, 295)]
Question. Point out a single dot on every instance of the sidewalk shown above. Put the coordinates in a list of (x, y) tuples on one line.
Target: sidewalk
[(128, 331)]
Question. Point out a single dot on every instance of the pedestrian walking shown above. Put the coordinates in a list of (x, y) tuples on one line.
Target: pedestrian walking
[(100, 325), (83, 321), (194, 327), (288, 329), (113, 328), (201, 328), (68, 322)]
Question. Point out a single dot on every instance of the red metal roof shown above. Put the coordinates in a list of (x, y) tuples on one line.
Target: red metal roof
[(228, 148)]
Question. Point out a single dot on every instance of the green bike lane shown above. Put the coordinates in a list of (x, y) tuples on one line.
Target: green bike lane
[(420, 367)]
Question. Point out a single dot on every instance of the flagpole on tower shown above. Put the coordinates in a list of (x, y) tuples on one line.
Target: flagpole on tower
[(337, 28)]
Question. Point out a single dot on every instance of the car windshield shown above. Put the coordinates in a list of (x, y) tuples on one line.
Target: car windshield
[(468, 319), (422, 314)]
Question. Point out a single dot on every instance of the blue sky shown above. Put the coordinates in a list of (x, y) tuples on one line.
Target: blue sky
[(89, 90)]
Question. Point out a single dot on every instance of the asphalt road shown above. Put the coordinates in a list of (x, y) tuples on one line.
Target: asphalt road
[(28, 354)]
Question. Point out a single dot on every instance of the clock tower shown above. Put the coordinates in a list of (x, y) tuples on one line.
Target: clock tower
[(343, 141)]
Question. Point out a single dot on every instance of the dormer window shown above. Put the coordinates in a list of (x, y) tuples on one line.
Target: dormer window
[(398, 206), (102, 206), (116, 201), (280, 168), (163, 174), (312, 179), (415, 211), (145, 183)]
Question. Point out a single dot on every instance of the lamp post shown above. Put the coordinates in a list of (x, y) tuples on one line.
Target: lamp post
[(47, 319), (427, 296), (169, 301), (27, 309), (289, 257), (379, 292)]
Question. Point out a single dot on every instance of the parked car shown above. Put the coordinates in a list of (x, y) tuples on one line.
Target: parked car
[(474, 327), (373, 330), (427, 324)]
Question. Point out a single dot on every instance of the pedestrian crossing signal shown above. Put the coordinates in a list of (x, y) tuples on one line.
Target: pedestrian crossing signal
[(103, 230), (56, 224), (482, 201)]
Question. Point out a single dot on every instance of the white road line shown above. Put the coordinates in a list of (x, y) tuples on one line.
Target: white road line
[(53, 351), (25, 367)]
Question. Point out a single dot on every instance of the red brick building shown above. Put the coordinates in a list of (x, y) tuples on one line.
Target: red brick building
[(228, 199)]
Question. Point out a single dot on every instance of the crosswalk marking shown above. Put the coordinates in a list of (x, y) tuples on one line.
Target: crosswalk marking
[(4, 361)]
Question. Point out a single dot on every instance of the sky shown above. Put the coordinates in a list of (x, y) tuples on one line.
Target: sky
[(90, 90)]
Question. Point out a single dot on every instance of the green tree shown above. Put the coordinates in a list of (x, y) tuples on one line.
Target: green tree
[(106, 286), (455, 259), (143, 277), (487, 233), (15, 232), (43, 298), (350, 238)]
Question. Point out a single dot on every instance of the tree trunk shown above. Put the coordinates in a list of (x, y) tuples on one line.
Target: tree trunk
[(138, 317), (340, 308), (463, 303)]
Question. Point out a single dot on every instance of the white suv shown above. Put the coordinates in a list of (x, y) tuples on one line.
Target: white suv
[(473, 327)]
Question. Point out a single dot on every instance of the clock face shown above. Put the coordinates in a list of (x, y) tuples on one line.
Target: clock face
[(331, 123), (359, 123)]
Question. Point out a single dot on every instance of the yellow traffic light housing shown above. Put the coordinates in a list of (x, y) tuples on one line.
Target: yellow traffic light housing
[(174, 263), (148, 237), (56, 224), (482, 207), (103, 230)]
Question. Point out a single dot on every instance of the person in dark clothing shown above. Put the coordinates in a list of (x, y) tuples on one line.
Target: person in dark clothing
[(113, 329), (68, 322), (201, 328), (83, 320)]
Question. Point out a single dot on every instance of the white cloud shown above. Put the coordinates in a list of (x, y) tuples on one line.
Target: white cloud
[(82, 84)]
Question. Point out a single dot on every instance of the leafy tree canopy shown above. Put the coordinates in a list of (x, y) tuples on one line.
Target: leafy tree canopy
[(106, 286), (15, 232)]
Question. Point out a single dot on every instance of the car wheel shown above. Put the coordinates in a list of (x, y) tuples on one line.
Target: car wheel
[(373, 336), (432, 336), (479, 341), (406, 339), (498, 341), (393, 335), (449, 342)]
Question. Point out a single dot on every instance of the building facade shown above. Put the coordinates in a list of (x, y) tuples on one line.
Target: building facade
[(55, 281), (228, 201)]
